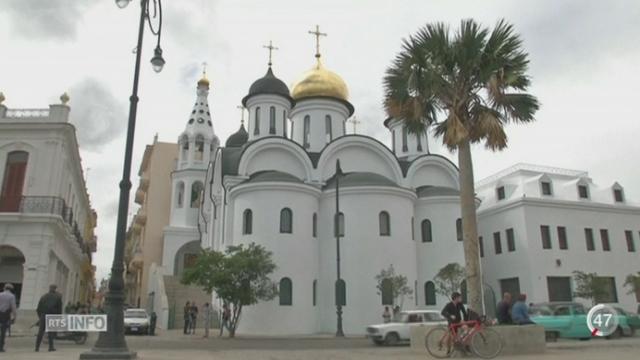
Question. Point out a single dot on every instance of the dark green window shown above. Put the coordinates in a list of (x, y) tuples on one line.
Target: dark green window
[(286, 291), (387, 292), (429, 293), (341, 292)]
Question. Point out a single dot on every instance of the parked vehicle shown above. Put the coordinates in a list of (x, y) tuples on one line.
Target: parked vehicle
[(561, 320), (399, 329), (628, 323), (136, 321)]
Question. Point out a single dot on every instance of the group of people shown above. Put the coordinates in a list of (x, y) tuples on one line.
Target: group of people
[(191, 317), (513, 313), (79, 308)]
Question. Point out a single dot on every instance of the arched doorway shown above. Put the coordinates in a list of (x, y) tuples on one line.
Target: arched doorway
[(11, 269), (186, 256)]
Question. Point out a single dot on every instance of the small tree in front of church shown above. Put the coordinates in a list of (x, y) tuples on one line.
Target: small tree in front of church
[(392, 286), (239, 276), (590, 286), (632, 282), (448, 279)]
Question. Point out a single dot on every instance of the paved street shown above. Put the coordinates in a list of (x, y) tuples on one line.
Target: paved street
[(175, 345)]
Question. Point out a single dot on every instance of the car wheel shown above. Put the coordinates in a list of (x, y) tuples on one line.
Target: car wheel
[(616, 334), (391, 339), (551, 336)]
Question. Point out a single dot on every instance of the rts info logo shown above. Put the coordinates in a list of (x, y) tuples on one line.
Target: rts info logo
[(73, 322)]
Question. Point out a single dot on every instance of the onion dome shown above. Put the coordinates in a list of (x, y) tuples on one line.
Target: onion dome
[(238, 138), (204, 81), (320, 82), (268, 84)]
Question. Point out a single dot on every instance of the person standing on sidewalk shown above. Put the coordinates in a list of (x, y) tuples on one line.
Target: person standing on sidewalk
[(206, 312), (386, 315), (49, 304), (7, 312), (187, 317), (194, 318), (226, 316)]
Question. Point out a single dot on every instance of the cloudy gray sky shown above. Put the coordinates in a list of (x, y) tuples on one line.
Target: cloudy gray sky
[(584, 63)]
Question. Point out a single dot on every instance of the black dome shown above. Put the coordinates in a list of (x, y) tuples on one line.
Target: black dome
[(268, 84), (238, 138)]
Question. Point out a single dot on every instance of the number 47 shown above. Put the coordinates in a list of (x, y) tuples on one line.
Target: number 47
[(598, 320)]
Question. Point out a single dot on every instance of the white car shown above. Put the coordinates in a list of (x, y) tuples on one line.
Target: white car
[(399, 329), (136, 321)]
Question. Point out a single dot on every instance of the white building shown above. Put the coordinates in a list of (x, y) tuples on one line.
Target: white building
[(539, 224), (273, 183), (46, 220)]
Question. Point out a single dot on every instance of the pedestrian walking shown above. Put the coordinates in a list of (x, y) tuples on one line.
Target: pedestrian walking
[(7, 312), (206, 312), (187, 317), (386, 315), (49, 304), (226, 317), (194, 317)]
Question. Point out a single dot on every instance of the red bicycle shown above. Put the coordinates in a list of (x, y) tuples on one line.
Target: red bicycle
[(467, 336)]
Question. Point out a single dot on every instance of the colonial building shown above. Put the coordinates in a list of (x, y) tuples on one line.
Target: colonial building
[(538, 224), (46, 219)]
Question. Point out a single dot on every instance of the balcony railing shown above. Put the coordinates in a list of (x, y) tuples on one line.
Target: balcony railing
[(45, 205)]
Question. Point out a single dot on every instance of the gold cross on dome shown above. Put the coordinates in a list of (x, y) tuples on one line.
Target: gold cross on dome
[(317, 34), (355, 122), (241, 113), (271, 48)]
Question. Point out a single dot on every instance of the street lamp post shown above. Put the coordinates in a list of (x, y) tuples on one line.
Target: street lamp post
[(111, 344), (339, 289)]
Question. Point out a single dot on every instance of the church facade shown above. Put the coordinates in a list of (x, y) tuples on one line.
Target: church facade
[(274, 183)]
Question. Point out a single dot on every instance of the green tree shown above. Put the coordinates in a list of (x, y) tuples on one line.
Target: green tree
[(392, 285), (632, 281), (474, 80), (239, 276), (590, 286), (448, 279)]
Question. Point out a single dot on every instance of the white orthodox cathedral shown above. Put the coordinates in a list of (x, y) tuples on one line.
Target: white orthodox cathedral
[(274, 183)]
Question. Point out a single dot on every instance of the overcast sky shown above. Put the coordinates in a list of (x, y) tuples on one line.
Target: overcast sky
[(584, 64)]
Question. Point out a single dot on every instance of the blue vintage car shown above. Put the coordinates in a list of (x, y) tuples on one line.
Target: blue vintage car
[(561, 320)]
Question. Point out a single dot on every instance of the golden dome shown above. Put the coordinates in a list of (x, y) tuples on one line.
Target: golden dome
[(320, 82), (204, 81)]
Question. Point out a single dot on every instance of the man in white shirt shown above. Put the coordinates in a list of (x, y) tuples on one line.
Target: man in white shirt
[(7, 312)]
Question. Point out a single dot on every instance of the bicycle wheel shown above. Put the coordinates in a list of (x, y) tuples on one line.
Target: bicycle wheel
[(486, 343), (437, 343)]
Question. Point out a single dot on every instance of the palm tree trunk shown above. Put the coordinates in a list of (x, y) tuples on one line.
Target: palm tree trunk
[(469, 227)]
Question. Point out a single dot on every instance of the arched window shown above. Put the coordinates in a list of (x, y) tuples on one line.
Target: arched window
[(426, 230), (415, 290), (463, 291), (387, 292), (306, 131), (429, 293), (284, 123), (341, 292), (314, 291), (272, 120), (413, 229), (385, 223), (314, 225), (196, 194), (180, 195), (184, 141), (286, 291), (247, 222), (459, 229), (256, 122), (12, 185), (419, 138), (327, 128), (405, 148), (393, 141), (340, 229), (286, 221), (199, 147)]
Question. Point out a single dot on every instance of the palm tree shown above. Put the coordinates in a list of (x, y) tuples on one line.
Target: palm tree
[(475, 80)]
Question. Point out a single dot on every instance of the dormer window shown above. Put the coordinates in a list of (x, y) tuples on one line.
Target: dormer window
[(500, 192), (546, 188), (618, 195), (583, 191)]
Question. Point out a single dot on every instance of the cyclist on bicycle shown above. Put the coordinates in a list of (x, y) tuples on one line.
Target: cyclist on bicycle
[(454, 311)]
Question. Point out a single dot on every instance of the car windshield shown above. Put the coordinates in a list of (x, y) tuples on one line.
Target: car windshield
[(135, 314)]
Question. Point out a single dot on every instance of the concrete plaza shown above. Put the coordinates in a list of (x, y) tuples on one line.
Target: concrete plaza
[(174, 345)]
